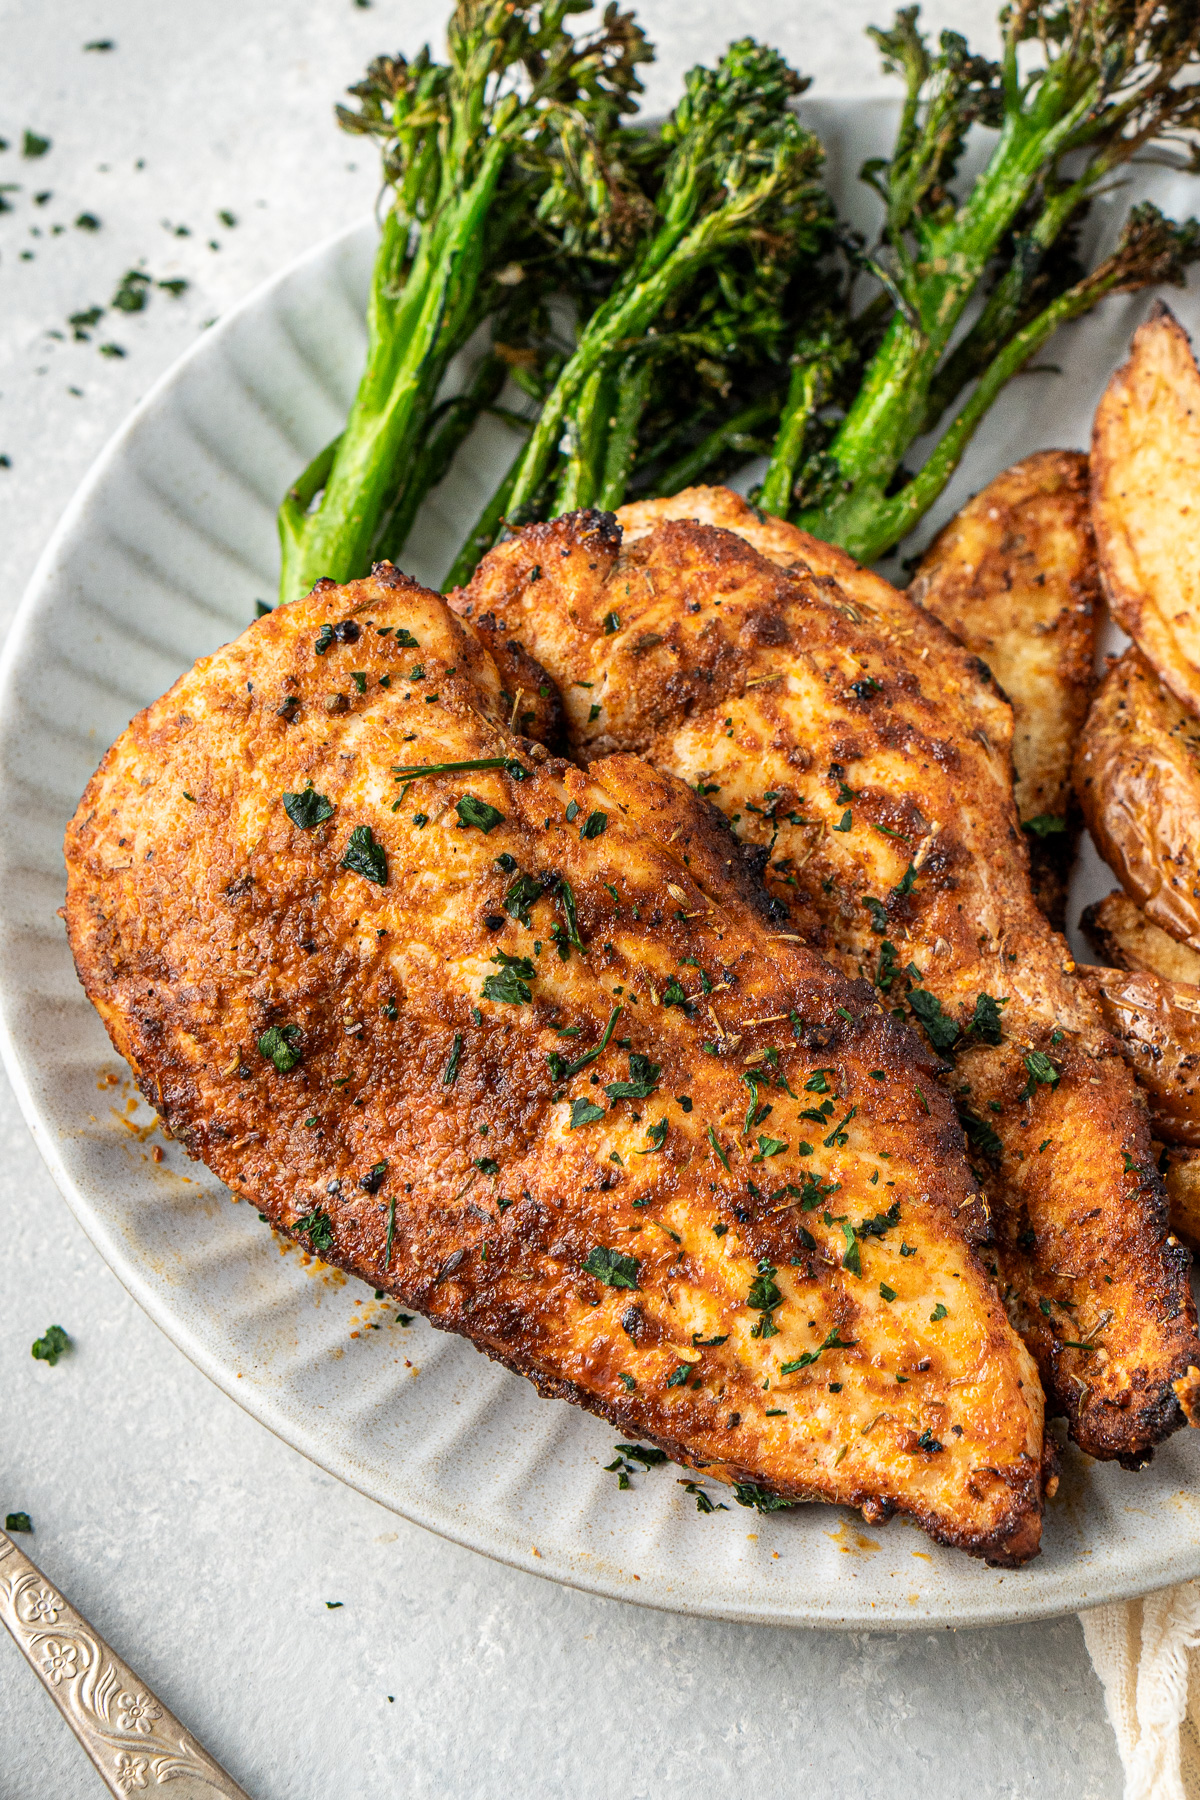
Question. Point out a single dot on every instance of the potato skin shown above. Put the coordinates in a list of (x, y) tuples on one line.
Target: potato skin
[(1124, 938), (1183, 1193), (1157, 1024), (1145, 466), (1014, 577), (1137, 775)]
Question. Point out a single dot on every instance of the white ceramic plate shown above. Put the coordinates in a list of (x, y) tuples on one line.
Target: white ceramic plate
[(158, 561)]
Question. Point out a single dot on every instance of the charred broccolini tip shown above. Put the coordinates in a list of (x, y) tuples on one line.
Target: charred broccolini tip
[(1110, 80), (739, 202), (467, 149)]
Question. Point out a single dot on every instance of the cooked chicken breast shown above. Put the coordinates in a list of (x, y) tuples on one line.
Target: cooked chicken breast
[(843, 730), (529, 1050)]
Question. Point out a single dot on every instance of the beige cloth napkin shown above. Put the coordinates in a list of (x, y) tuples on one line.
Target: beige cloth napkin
[(1144, 1652)]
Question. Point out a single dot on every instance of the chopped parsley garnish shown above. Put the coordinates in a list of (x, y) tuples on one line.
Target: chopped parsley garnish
[(365, 857), (643, 1079), (414, 771), (508, 987), (680, 1377), (703, 1503), (832, 1342), (768, 1146), (49, 1348), (450, 1073), (886, 1293), (764, 1296), (905, 884), (674, 993), (985, 1020), (649, 1458), (618, 1271), (566, 895), (980, 1135), (317, 1227), (908, 1249), (478, 813), (405, 639), (817, 1084), (851, 1256), (657, 1136), (838, 1134), (487, 1165), (324, 639), (307, 809), (627, 1382), (881, 1223), (372, 1181), (748, 1493), (520, 896), (938, 1314), (18, 1521), (941, 1031), (845, 822), (278, 1045), (815, 1190), (561, 1070), (612, 622), (713, 1140), (583, 1112), (1041, 1072), (1044, 825), (593, 825)]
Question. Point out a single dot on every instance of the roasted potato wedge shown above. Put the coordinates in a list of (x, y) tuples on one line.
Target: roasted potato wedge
[(1137, 774), (1157, 1024), (1014, 577), (1183, 1193), (1146, 500), (1124, 938)]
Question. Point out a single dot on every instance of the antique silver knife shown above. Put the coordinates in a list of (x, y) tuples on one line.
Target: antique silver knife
[(135, 1743)]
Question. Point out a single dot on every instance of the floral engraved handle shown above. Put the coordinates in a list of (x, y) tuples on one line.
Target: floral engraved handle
[(135, 1743)]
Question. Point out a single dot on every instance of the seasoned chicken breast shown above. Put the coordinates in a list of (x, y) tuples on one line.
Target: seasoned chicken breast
[(528, 1049), (841, 729)]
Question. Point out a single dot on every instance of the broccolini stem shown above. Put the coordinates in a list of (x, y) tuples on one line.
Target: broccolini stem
[(806, 390), (437, 453), (1152, 249), (633, 389), (485, 530), (401, 378), (733, 434)]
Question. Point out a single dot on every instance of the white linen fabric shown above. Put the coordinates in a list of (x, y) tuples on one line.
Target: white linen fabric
[(1145, 1653)]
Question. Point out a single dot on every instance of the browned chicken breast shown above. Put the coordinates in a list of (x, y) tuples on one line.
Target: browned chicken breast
[(526, 1048), (841, 729)]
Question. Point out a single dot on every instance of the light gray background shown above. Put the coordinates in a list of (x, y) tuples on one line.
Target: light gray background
[(202, 1548)]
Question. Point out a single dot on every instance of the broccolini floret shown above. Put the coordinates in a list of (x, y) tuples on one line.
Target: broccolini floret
[(1108, 82)]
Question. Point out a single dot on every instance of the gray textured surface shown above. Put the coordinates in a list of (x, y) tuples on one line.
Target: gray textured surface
[(203, 1548)]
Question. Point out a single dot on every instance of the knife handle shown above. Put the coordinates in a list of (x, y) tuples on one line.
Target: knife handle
[(134, 1742)]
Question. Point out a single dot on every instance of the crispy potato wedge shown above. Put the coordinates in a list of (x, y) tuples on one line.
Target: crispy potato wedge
[(1183, 1193), (1137, 774), (1157, 1024), (1146, 500), (1124, 938), (1014, 577)]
